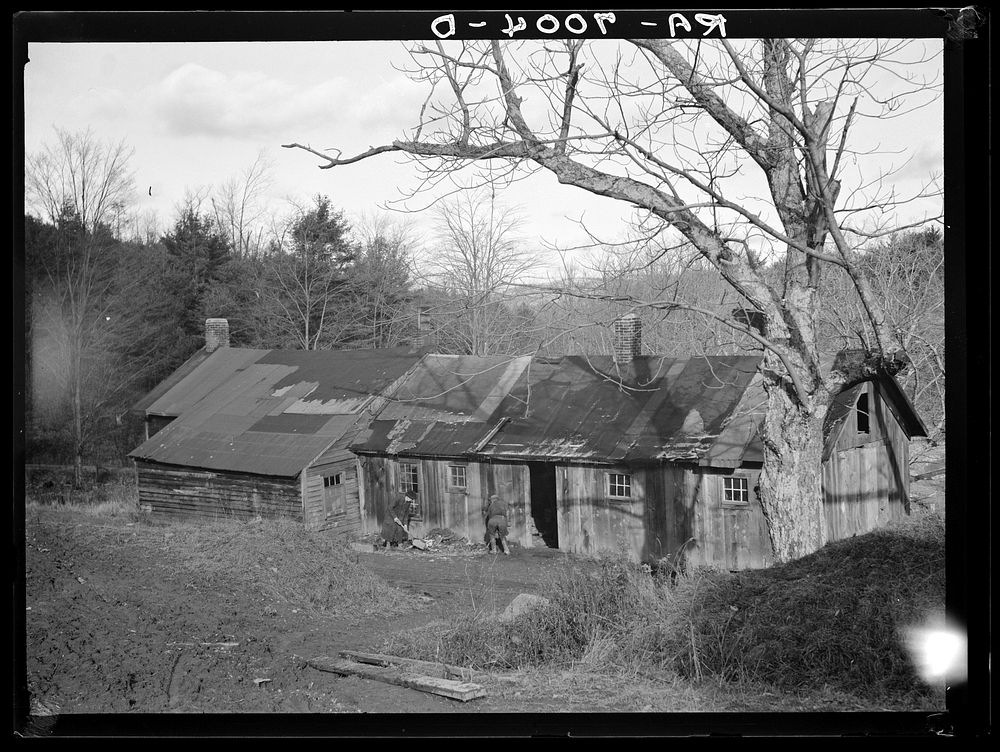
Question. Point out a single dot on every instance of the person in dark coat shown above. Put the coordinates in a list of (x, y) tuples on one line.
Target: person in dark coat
[(496, 524), (397, 516)]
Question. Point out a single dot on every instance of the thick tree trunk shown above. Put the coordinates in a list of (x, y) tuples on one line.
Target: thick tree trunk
[(791, 482)]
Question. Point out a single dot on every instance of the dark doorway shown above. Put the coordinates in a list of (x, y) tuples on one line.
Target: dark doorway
[(543, 503)]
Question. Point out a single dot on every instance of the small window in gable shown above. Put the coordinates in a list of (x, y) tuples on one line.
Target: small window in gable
[(864, 420)]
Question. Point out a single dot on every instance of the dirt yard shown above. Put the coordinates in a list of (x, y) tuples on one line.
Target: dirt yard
[(118, 622), (126, 617)]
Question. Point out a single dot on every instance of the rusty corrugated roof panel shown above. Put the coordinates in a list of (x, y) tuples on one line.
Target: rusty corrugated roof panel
[(447, 405), (206, 376), (168, 383), (212, 446), (456, 387), (341, 381), (591, 409), (423, 438), (269, 412)]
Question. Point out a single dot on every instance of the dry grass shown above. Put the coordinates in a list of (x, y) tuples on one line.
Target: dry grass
[(832, 622), (308, 571), (312, 572), (117, 498)]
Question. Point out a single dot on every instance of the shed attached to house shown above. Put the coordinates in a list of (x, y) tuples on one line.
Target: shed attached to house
[(265, 432)]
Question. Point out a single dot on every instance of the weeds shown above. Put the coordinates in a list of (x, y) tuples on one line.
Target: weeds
[(831, 620), (117, 498)]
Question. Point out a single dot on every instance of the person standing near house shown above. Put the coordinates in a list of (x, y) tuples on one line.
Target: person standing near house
[(496, 524), (397, 517)]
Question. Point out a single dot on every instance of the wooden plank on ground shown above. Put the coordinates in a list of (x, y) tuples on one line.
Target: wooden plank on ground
[(455, 690), (426, 668)]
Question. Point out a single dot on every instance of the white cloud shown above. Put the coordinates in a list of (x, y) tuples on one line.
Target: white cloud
[(195, 100)]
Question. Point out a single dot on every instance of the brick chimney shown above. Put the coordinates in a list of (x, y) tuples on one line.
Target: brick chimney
[(628, 338), (216, 334)]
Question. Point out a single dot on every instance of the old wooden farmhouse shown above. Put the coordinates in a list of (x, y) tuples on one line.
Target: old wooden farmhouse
[(657, 457)]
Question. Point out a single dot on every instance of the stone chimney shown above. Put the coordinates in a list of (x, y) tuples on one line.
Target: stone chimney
[(628, 338), (216, 334)]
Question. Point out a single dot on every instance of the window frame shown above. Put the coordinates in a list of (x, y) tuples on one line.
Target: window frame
[(625, 484), (405, 481), (452, 486), (744, 490), (403, 476)]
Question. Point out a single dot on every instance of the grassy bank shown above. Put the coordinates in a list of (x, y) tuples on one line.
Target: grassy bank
[(308, 571), (834, 620)]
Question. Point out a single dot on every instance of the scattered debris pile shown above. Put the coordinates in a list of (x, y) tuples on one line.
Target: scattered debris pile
[(438, 540)]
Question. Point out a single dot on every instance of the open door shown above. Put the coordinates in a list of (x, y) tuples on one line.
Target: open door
[(545, 527)]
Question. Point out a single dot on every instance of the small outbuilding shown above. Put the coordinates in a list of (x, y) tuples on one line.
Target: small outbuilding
[(239, 432)]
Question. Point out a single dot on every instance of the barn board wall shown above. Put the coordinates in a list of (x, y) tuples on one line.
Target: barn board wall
[(442, 507), (728, 536), (657, 522), (195, 492), (866, 477)]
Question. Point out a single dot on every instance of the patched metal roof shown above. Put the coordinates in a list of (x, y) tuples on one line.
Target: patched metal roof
[(269, 412), (447, 406), (653, 408), (575, 408), (143, 405)]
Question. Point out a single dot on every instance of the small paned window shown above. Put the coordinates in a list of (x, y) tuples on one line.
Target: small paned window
[(456, 477), (408, 477), (735, 490), (619, 486), (332, 480), (863, 414)]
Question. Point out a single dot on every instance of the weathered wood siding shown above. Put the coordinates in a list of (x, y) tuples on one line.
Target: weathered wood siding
[(319, 511), (213, 494), (443, 507), (866, 476), (590, 522), (727, 535), (675, 513)]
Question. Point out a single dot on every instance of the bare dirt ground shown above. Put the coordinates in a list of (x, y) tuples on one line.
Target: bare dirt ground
[(116, 624), (118, 620)]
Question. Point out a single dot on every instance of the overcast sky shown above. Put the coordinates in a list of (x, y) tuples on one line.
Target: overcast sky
[(199, 113)]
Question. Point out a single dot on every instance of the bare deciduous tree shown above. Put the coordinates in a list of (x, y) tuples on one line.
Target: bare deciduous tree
[(477, 260), (239, 209), (746, 149), (91, 178)]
